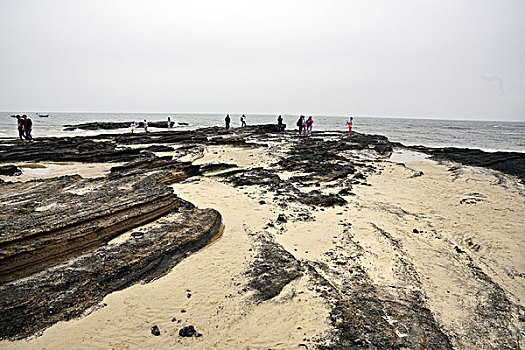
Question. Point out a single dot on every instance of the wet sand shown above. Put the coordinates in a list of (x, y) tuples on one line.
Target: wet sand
[(414, 227)]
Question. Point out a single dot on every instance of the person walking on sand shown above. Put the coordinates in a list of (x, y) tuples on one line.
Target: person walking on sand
[(28, 128), (300, 124), (243, 121), (20, 123), (227, 121), (309, 124), (145, 126), (350, 123), (280, 124), (169, 123)]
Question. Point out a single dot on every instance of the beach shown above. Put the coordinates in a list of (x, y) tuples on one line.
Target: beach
[(288, 242)]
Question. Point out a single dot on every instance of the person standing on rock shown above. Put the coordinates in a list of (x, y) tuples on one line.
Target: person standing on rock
[(20, 127), (350, 123), (300, 124), (133, 126), (227, 121), (243, 121), (280, 124), (309, 124), (169, 123), (145, 125), (28, 128)]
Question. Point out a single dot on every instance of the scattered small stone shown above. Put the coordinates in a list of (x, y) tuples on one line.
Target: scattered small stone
[(281, 218), (137, 234), (262, 202), (173, 319), (189, 331), (415, 230), (182, 311), (188, 295), (155, 330)]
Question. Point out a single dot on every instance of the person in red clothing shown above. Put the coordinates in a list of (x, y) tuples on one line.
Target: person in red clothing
[(350, 123)]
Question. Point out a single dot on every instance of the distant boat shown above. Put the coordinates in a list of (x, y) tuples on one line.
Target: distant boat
[(13, 115), (43, 115)]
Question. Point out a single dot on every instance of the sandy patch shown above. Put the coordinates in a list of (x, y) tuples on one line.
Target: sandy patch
[(46, 170), (471, 211)]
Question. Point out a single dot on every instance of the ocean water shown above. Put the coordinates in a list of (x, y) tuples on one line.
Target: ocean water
[(486, 135)]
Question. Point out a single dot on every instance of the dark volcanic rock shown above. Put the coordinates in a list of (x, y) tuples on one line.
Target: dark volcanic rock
[(77, 149), (272, 269), (10, 170), (155, 330), (511, 163), (120, 125), (189, 331), (173, 171)]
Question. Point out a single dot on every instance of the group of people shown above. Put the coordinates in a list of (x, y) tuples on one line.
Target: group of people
[(135, 126), (305, 125), (25, 127), (228, 120)]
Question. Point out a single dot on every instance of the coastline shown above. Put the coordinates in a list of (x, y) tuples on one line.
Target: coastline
[(327, 256)]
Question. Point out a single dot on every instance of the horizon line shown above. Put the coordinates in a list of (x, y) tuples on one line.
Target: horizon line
[(284, 114)]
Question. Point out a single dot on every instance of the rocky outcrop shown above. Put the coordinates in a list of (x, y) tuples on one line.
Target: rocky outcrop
[(120, 125), (76, 149), (69, 288), (511, 163), (58, 254), (46, 222), (272, 269)]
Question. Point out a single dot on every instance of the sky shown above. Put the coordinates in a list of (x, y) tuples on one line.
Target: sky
[(457, 59)]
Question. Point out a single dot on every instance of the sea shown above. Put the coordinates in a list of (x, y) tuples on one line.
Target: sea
[(486, 135)]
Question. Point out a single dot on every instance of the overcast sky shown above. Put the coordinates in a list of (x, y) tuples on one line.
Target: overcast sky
[(462, 59)]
